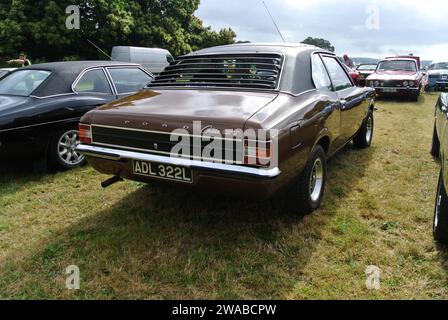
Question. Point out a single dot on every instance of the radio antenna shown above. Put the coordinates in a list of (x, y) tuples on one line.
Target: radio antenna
[(273, 21), (99, 49)]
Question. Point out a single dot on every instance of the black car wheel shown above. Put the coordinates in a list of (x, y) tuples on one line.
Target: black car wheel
[(435, 148), (365, 135), (311, 184), (441, 214), (62, 152)]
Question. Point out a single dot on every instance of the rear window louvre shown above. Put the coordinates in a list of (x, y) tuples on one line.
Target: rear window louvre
[(257, 71)]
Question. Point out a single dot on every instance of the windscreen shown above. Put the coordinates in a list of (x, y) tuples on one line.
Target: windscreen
[(397, 65), (23, 82)]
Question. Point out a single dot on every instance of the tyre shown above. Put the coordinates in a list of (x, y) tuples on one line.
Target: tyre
[(62, 152), (435, 148), (309, 191), (365, 135), (441, 214)]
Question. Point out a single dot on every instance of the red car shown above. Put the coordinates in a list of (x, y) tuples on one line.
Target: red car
[(398, 77), (365, 70)]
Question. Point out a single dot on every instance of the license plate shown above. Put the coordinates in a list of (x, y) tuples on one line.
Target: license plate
[(390, 90), (162, 171)]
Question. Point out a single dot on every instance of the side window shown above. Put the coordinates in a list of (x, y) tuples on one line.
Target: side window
[(340, 79), (320, 75), (129, 80), (93, 81)]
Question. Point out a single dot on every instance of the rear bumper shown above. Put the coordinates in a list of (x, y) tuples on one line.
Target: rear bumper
[(231, 180), (120, 155)]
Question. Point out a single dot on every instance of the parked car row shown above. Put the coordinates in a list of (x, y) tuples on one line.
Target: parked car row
[(122, 119)]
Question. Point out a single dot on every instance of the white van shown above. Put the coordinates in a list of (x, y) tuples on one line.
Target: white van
[(152, 59)]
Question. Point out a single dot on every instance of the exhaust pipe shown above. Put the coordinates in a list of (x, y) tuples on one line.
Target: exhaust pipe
[(111, 181)]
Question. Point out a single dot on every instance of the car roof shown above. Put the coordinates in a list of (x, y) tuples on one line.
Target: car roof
[(64, 74), (141, 48), (295, 76), (263, 47), (399, 59), (75, 66)]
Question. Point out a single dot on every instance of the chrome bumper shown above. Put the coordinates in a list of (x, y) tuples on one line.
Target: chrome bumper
[(397, 88), (119, 155)]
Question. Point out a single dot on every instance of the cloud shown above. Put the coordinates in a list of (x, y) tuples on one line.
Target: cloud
[(404, 25)]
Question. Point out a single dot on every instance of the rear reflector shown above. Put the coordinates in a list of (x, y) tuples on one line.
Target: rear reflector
[(85, 133), (257, 153)]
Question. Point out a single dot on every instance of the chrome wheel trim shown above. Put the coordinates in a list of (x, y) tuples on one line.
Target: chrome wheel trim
[(67, 148), (369, 132), (437, 213), (316, 180)]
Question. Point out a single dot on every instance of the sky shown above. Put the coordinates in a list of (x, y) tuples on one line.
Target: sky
[(362, 28)]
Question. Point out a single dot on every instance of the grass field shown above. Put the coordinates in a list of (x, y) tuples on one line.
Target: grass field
[(135, 241)]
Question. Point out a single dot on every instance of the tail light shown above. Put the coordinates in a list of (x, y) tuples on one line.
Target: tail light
[(85, 133), (257, 153)]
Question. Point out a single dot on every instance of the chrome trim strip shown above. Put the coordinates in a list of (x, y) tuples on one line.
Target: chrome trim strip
[(172, 133), (151, 151), (54, 95), (117, 155), (396, 88), (42, 124)]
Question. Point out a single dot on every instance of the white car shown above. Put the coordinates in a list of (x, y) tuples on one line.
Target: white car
[(152, 59)]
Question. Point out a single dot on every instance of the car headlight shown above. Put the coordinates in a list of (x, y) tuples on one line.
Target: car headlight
[(377, 83), (405, 83), (411, 83)]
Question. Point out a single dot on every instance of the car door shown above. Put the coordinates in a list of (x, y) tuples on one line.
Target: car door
[(441, 115), (128, 80), (351, 98), (329, 97), (442, 129)]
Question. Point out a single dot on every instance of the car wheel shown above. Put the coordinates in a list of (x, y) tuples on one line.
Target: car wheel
[(62, 150), (311, 184), (435, 148), (441, 214), (365, 135)]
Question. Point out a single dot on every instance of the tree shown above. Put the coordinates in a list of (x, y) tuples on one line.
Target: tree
[(39, 29), (319, 42)]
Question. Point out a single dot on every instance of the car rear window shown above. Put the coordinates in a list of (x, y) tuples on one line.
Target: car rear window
[(23, 82), (257, 71)]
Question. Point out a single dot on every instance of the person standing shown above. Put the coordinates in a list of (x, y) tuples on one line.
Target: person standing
[(349, 62), (22, 61)]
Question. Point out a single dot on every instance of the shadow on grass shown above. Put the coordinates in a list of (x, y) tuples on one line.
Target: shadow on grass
[(172, 244), (17, 174)]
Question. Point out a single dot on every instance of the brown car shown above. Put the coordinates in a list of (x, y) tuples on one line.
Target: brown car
[(251, 120)]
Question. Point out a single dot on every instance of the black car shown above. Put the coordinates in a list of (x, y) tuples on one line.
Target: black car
[(440, 150), (41, 105)]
